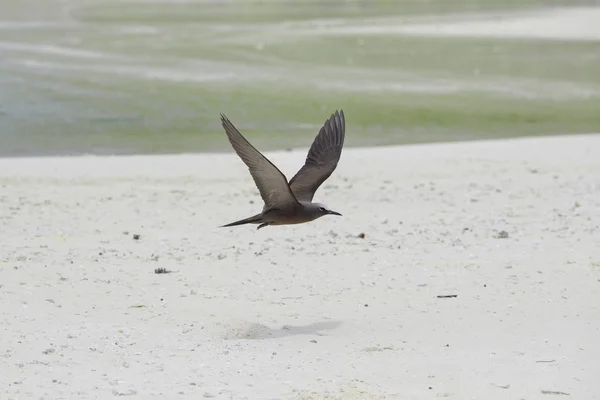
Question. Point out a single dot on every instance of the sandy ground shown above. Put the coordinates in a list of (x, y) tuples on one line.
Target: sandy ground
[(310, 311)]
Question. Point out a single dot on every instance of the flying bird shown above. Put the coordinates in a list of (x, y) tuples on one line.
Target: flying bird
[(290, 202)]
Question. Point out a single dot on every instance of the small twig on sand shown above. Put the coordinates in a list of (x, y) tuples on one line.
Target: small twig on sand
[(555, 392)]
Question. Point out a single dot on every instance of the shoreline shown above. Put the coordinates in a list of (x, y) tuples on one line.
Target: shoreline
[(227, 148)]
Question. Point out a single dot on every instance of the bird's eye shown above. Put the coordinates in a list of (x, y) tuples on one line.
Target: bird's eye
[(322, 209)]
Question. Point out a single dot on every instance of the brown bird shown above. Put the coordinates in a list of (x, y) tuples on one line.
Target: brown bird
[(291, 203)]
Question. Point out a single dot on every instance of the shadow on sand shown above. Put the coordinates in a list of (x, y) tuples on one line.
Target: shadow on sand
[(258, 331)]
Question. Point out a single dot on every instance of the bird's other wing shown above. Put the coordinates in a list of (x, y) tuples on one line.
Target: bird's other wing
[(322, 158), (269, 180)]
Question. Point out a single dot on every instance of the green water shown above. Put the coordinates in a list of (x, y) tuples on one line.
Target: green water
[(89, 76)]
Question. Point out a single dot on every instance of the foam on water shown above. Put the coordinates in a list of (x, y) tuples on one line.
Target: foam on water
[(52, 49), (581, 23)]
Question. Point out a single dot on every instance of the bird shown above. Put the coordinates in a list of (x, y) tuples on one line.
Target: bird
[(287, 203)]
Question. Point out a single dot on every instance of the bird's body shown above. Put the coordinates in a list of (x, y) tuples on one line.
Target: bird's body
[(304, 212), (288, 203)]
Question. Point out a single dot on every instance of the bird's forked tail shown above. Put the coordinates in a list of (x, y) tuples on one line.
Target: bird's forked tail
[(255, 219)]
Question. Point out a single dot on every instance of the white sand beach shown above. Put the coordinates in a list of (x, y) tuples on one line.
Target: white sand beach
[(310, 311)]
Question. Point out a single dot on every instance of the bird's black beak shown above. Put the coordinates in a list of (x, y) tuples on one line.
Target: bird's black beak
[(334, 213)]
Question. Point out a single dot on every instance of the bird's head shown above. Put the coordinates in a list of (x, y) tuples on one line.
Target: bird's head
[(318, 210)]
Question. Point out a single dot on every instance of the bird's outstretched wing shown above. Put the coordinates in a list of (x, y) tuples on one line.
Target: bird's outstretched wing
[(322, 158), (270, 181)]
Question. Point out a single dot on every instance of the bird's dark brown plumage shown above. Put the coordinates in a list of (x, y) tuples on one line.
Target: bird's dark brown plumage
[(270, 181), (291, 203), (322, 158)]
